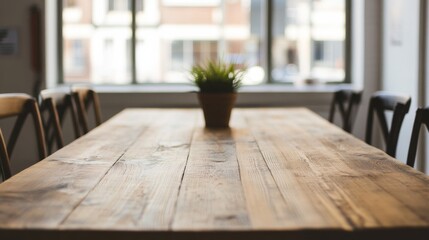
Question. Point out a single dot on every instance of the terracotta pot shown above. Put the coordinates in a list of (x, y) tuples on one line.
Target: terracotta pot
[(217, 108)]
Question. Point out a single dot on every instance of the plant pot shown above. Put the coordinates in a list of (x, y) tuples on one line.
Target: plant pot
[(217, 108)]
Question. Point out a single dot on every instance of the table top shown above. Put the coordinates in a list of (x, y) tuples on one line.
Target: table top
[(159, 174)]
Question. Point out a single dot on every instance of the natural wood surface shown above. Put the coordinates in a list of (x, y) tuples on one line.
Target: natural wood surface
[(159, 174)]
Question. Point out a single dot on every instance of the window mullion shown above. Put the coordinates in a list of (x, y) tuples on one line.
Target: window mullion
[(133, 42), (60, 43), (348, 43), (268, 23)]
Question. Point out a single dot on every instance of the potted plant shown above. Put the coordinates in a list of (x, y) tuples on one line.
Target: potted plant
[(218, 83)]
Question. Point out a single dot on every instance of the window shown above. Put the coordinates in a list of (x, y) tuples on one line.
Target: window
[(186, 53), (137, 41), (78, 56), (139, 5), (178, 55), (119, 5), (308, 40), (69, 3), (124, 5), (182, 3)]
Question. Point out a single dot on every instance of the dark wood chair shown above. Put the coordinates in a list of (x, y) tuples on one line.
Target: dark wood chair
[(4, 159), (380, 103), (422, 117), (56, 103), (347, 102), (84, 97), (20, 106)]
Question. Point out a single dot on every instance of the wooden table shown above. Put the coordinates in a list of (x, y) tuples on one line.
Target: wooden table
[(159, 174)]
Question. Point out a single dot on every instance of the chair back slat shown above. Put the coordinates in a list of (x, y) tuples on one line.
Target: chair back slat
[(12, 104), (380, 103), (347, 102), (84, 97), (4, 159), (22, 105), (58, 102), (422, 118)]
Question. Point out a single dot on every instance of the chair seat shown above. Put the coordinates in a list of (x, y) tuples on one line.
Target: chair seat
[(422, 118)]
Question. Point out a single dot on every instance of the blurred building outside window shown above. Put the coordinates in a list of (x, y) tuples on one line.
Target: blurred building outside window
[(308, 39)]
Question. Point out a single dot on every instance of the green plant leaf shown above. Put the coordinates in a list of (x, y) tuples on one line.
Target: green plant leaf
[(217, 77)]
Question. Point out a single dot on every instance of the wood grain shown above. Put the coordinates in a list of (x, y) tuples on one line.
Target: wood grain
[(44, 195), (211, 196), (144, 183), (159, 174), (332, 164), (12, 104)]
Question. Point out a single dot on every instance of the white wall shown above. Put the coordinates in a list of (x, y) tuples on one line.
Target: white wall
[(401, 59), (358, 36), (366, 50)]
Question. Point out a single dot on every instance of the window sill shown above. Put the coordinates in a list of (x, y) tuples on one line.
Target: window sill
[(184, 88), (316, 97)]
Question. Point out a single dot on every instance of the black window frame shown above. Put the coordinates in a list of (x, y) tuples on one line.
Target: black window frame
[(267, 21)]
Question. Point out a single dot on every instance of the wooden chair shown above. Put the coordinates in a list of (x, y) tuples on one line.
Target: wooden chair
[(84, 97), (4, 159), (56, 103), (422, 117), (348, 103), (380, 103), (20, 106)]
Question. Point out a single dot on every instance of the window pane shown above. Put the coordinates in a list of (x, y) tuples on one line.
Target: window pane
[(308, 40), (174, 35), (97, 41)]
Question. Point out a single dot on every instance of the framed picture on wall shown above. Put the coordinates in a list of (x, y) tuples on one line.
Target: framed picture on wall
[(8, 41)]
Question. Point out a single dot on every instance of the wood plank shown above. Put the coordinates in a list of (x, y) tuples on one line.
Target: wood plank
[(269, 207), (45, 194), (265, 205), (322, 161), (144, 183), (277, 174), (309, 206), (388, 179), (211, 196), (399, 186), (373, 202), (379, 173)]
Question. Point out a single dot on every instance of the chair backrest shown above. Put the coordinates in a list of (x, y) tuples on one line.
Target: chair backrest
[(21, 105), (380, 103), (4, 159), (84, 96), (422, 117), (347, 102), (56, 103)]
